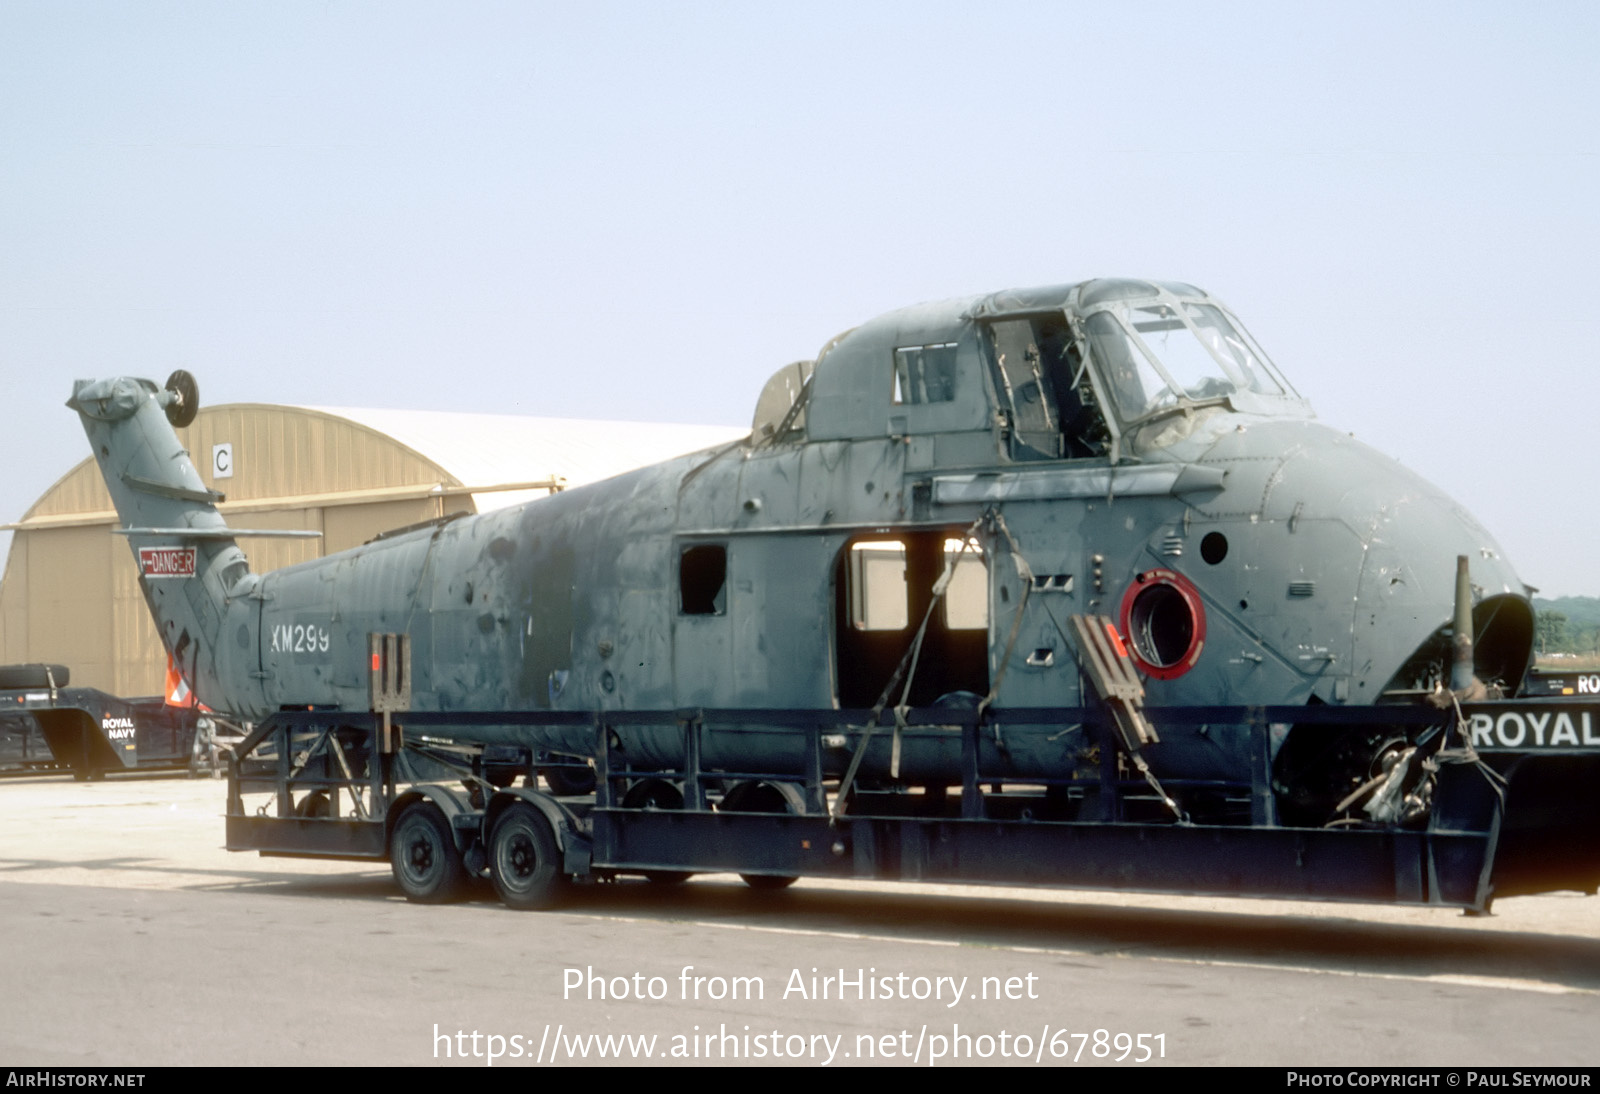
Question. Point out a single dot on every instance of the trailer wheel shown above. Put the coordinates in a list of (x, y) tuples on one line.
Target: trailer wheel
[(423, 854), (657, 794), (567, 776), (760, 797), (768, 883), (524, 861), (314, 804)]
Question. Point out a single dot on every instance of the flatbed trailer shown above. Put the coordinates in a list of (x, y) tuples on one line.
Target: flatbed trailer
[(91, 733), (1511, 808)]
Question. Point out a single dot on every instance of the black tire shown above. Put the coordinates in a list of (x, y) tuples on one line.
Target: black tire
[(314, 804), (567, 780), (524, 861), (423, 855), (501, 776), (33, 676), (760, 797), (657, 794), (768, 883), (653, 794), (182, 412), (667, 878)]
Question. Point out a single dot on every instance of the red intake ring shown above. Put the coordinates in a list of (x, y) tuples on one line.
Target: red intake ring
[(1164, 622)]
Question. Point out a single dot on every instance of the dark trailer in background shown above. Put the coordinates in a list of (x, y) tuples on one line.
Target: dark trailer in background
[(48, 726)]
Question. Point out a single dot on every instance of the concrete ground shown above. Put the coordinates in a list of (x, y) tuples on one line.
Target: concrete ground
[(139, 940)]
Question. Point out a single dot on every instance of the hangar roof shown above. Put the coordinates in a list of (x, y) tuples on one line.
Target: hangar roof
[(486, 452), (496, 449)]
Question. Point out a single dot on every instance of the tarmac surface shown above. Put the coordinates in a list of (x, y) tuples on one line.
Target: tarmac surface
[(132, 939)]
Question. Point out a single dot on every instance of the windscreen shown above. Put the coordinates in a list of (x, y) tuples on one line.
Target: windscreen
[(1159, 353)]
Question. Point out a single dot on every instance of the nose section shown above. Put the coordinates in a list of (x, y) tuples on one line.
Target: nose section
[(1405, 599), (1365, 548), (1411, 534)]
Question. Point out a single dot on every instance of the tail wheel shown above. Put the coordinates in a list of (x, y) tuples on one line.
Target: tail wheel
[(423, 855), (760, 797), (524, 861), (181, 411)]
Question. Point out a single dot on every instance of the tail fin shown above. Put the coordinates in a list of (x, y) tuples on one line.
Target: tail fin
[(193, 574)]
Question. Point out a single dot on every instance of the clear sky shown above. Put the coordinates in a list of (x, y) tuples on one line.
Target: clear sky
[(639, 211)]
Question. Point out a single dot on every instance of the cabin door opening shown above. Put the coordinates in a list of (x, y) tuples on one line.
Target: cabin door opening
[(883, 586), (1047, 397)]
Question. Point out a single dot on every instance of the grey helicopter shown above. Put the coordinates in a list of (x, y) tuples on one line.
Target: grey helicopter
[(912, 522)]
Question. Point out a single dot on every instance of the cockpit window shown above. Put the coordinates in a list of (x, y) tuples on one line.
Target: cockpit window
[(1100, 291), (1163, 330), (1238, 354), (925, 374), (1025, 362), (1022, 372), (1047, 398), (1136, 385), (1082, 382), (1164, 354)]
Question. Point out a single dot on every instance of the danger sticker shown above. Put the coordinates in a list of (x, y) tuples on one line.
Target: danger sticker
[(166, 561)]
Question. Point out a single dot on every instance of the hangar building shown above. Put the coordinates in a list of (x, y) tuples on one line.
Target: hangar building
[(70, 592)]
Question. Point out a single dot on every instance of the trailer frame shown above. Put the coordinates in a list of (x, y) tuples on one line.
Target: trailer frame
[(341, 781)]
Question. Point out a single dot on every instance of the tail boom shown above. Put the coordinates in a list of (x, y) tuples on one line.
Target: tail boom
[(194, 577)]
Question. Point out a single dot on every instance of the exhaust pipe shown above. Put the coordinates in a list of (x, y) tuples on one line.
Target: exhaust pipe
[(1461, 674)]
